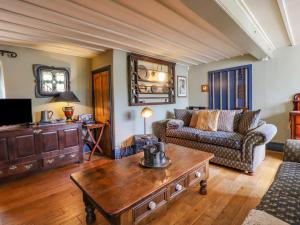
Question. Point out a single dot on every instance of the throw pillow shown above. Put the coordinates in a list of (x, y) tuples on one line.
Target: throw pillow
[(183, 114), (226, 120), (249, 120), (237, 117), (208, 120), (194, 119)]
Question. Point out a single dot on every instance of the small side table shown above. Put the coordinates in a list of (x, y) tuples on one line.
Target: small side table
[(139, 142), (89, 138)]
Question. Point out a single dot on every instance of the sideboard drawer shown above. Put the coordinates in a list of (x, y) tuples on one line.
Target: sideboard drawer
[(18, 168), (197, 175), (60, 160), (149, 205), (177, 187)]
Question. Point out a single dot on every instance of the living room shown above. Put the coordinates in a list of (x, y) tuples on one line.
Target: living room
[(113, 114)]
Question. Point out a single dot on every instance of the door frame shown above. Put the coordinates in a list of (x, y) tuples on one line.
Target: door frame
[(112, 133)]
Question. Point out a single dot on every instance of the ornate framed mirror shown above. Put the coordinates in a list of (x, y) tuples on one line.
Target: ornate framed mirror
[(50, 80)]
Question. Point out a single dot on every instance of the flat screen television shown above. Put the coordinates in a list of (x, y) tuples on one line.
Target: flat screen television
[(15, 111)]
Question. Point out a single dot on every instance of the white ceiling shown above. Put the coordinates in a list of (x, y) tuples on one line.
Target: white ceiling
[(166, 29)]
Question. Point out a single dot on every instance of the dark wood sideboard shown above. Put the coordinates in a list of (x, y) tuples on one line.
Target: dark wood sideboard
[(33, 148), (295, 118)]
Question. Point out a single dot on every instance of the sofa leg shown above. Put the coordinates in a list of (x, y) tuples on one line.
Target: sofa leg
[(250, 173)]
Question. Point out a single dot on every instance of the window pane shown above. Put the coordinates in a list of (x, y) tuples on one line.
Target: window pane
[(60, 76), (47, 87), (60, 87), (46, 75)]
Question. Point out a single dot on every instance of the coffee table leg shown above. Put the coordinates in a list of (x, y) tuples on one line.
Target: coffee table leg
[(203, 185), (89, 209)]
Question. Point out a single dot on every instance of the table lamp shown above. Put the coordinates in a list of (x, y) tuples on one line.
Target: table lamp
[(68, 97), (146, 113)]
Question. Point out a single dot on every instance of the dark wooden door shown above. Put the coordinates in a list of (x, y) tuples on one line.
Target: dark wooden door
[(103, 106)]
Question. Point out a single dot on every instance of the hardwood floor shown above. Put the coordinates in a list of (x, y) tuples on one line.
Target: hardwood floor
[(50, 198)]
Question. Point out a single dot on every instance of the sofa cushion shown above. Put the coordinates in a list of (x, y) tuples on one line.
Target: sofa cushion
[(287, 181), (282, 199), (220, 138), (226, 120), (188, 133), (208, 120), (284, 207), (194, 119), (183, 114), (248, 121)]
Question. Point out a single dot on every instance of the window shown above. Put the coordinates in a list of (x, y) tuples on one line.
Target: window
[(2, 87), (51, 80)]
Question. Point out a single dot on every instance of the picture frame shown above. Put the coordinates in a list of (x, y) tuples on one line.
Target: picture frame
[(204, 88), (181, 86)]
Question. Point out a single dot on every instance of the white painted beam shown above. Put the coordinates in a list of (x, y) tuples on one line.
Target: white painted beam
[(242, 15), (286, 20)]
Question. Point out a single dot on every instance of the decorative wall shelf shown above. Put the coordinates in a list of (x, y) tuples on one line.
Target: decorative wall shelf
[(150, 81)]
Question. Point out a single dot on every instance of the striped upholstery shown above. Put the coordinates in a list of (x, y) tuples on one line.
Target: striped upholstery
[(249, 120), (226, 120)]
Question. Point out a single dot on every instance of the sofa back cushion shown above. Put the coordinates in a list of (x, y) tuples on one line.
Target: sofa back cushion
[(194, 119), (226, 120), (208, 120), (248, 121), (183, 114)]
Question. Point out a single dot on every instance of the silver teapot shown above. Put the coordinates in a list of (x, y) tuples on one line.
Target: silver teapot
[(154, 155)]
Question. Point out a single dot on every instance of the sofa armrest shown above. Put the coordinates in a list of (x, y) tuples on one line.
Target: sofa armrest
[(159, 129), (258, 136), (292, 151)]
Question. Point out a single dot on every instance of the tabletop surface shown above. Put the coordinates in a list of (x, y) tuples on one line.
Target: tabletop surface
[(119, 184)]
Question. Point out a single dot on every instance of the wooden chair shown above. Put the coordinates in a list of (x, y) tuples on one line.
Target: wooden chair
[(90, 140)]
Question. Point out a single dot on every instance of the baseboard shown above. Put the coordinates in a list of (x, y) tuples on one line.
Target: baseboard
[(275, 146)]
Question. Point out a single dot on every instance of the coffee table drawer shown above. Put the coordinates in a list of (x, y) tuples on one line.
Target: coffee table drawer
[(149, 205), (178, 186), (197, 175)]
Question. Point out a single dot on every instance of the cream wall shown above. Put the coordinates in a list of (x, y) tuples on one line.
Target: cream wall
[(274, 84), (19, 79), (127, 118)]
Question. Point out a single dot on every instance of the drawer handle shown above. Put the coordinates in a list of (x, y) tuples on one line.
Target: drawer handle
[(1, 172), (178, 187), (73, 155), (198, 174), (28, 167), (13, 167), (152, 205), (61, 156), (50, 161), (37, 131)]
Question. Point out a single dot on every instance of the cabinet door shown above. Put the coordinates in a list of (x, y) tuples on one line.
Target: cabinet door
[(24, 147), (49, 141), (70, 139)]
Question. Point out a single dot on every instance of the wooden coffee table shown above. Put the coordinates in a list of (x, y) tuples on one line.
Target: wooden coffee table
[(126, 193)]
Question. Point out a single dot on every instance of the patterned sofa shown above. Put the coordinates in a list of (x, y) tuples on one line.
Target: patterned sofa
[(232, 149), (282, 200)]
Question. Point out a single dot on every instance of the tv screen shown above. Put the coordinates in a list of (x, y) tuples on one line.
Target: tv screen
[(15, 111)]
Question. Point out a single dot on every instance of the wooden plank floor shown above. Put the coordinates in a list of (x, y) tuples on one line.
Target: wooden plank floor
[(50, 198)]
